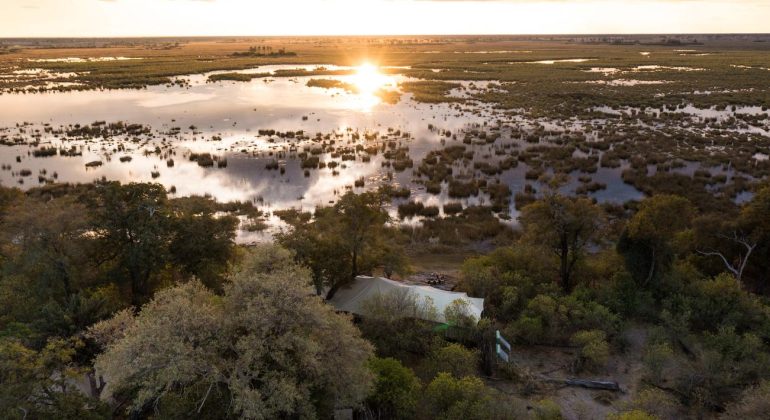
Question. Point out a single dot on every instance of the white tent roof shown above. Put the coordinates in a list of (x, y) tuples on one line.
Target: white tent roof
[(350, 299)]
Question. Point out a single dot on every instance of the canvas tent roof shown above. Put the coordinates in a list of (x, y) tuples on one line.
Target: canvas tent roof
[(350, 299)]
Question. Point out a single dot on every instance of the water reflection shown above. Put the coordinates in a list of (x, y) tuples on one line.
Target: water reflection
[(224, 119)]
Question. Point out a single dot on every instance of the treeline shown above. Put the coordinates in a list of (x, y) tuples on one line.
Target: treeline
[(264, 51), (118, 301), (693, 283)]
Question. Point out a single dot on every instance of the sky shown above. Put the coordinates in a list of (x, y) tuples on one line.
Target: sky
[(88, 18)]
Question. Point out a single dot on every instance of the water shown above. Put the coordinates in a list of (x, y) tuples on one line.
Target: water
[(226, 117)]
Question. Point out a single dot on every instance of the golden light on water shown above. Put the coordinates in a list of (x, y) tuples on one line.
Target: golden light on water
[(369, 81)]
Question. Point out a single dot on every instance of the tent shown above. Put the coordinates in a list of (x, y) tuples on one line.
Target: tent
[(351, 298)]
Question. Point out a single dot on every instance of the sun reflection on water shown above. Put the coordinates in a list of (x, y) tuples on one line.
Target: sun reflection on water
[(370, 82)]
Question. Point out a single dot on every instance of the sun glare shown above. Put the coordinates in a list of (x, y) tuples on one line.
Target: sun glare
[(369, 81)]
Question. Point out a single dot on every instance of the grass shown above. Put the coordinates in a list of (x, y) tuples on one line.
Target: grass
[(236, 77), (331, 84)]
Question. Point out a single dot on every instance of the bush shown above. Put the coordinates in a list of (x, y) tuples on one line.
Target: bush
[(632, 415), (754, 404), (453, 208), (451, 398), (656, 402), (396, 389), (553, 320), (453, 359), (547, 410), (655, 358), (458, 313), (594, 349)]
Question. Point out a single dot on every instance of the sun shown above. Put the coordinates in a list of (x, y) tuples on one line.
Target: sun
[(368, 79)]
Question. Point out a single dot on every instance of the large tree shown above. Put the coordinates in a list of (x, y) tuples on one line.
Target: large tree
[(651, 236), (565, 226), (267, 348), (132, 223), (341, 241), (144, 237), (734, 241)]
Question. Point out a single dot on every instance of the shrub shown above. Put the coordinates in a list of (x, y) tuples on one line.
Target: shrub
[(452, 359), (547, 410), (655, 358), (453, 208), (396, 389), (594, 349), (754, 404), (632, 415), (451, 398), (459, 313)]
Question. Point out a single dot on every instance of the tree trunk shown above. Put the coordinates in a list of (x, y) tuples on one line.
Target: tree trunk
[(564, 270), (652, 268)]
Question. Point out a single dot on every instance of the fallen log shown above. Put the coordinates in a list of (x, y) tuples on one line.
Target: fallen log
[(583, 383)]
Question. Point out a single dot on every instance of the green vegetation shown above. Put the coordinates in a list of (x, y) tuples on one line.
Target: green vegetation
[(236, 77), (126, 301), (212, 352), (331, 84)]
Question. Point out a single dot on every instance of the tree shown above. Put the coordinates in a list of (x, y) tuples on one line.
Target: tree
[(727, 240), (396, 390), (41, 384), (315, 247), (653, 231), (565, 226), (340, 242), (50, 278), (266, 348), (132, 222), (202, 244), (447, 397), (399, 323), (736, 239), (362, 218)]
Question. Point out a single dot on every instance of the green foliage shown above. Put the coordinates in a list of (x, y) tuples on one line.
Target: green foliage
[(447, 397), (342, 241), (653, 236), (656, 358), (722, 301), (594, 349), (396, 390), (656, 402), (753, 404), (728, 363), (397, 323), (547, 410), (202, 244), (565, 227), (41, 384), (458, 313), (73, 256), (453, 359), (268, 343), (632, 415), (549, 319), (505, 278), (430, 91)]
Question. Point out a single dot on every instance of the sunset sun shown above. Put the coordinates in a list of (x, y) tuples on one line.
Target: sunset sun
[(368, 79)]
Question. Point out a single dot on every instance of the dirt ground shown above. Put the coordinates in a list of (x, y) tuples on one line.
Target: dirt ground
[(578, 403)]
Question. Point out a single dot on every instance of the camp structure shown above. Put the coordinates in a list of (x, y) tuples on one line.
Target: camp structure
[(351, 299)]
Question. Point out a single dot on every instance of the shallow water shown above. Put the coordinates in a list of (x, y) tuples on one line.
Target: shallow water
[(234, 112)]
